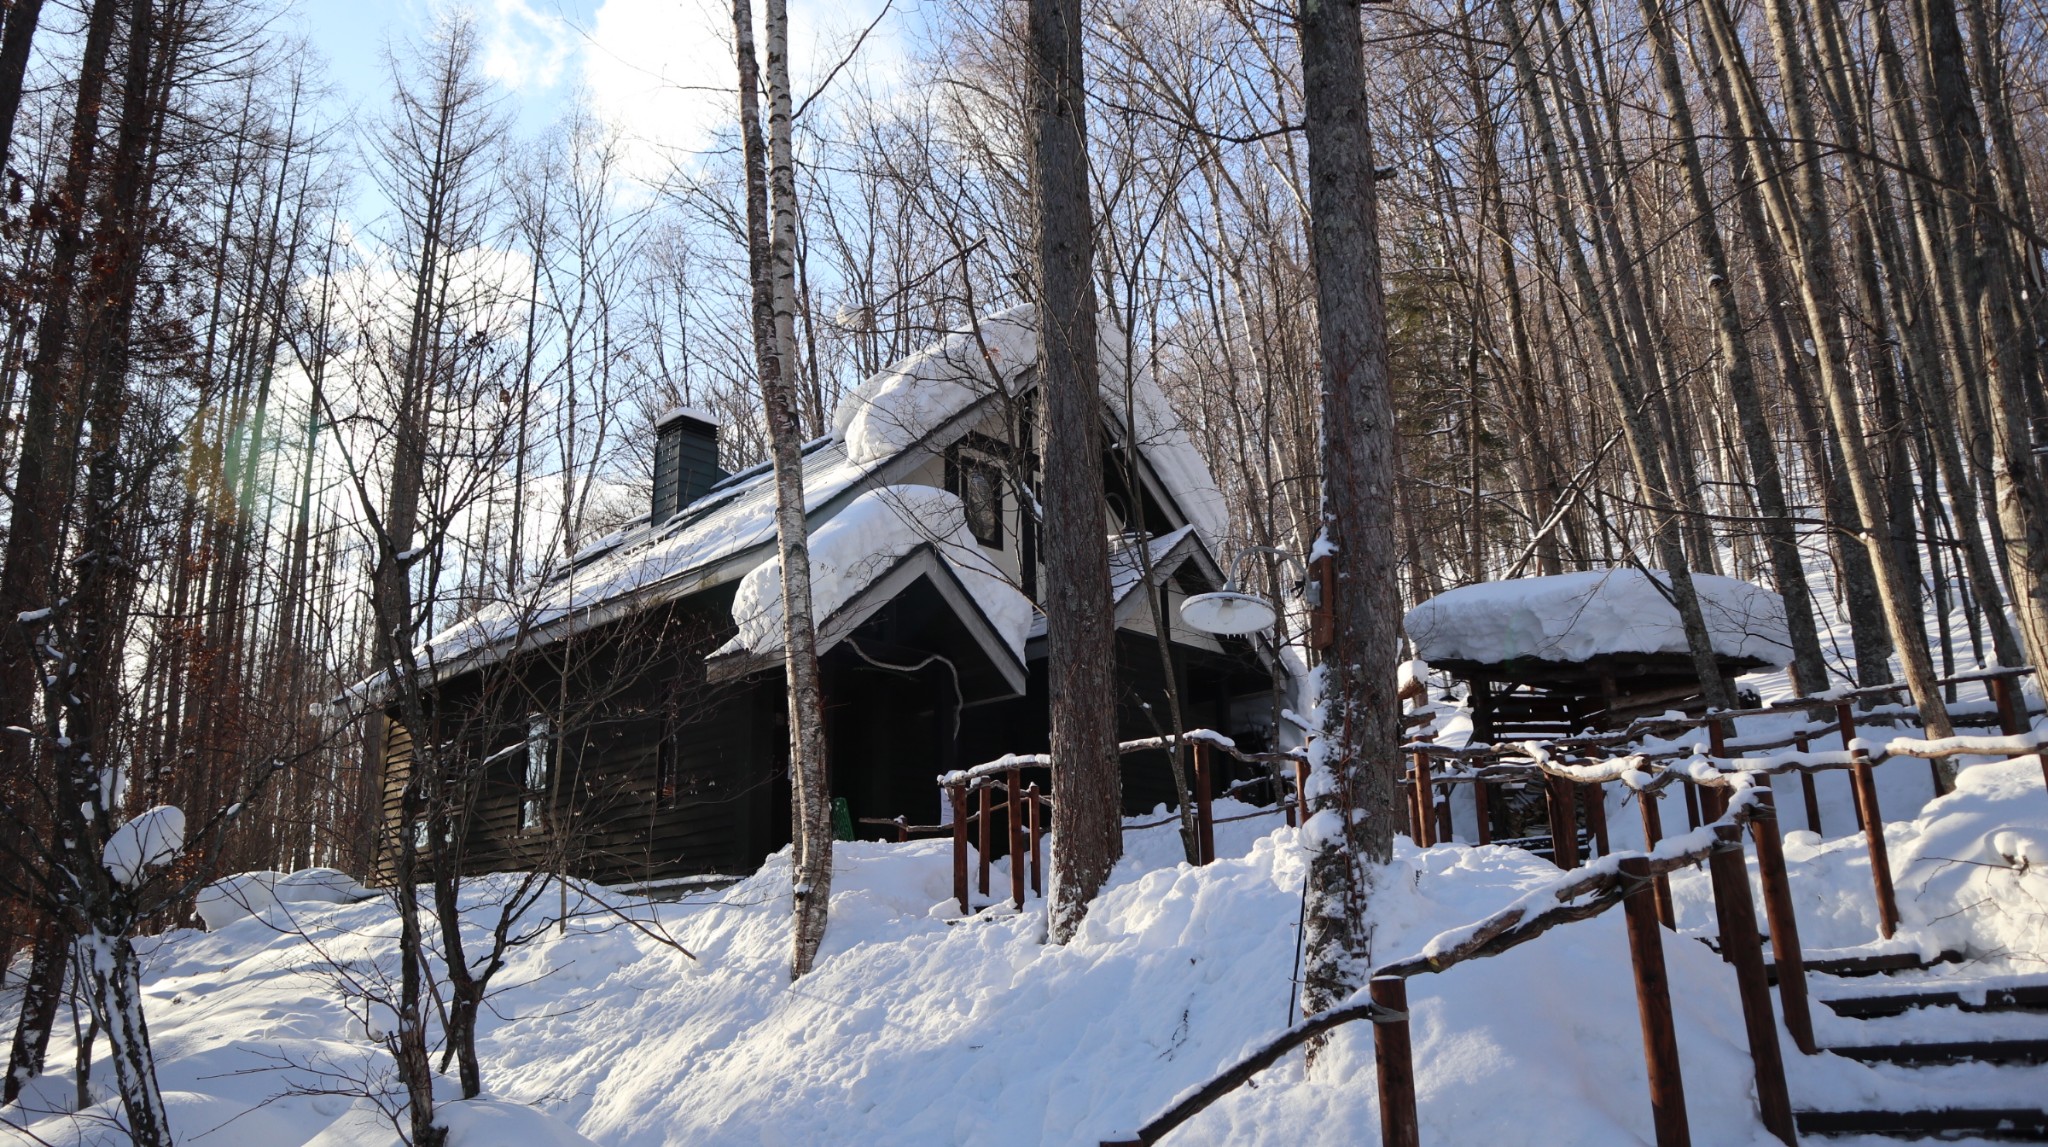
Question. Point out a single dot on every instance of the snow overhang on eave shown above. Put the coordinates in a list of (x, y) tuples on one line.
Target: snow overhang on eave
[(921, 562)]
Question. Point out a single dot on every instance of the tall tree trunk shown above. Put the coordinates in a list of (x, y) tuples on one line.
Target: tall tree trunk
[(1631, 405), (770, 259), (1355, 762), (1809, 672), (1977, 235), (15, 42), (43, 482), (1080, 622), (806, 692), (1802, 220)]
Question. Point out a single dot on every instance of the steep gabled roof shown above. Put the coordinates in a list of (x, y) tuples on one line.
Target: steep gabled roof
[(883, 430)]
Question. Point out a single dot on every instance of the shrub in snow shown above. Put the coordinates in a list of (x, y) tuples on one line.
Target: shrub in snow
[(263, 894), (151, 840)]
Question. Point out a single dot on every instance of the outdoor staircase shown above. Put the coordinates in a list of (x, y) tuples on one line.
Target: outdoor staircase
[(1963, 1058)]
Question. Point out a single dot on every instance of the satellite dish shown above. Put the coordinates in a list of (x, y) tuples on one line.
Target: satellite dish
[(1228, 612)]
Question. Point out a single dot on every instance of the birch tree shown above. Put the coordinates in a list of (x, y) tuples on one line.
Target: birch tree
[(771, 187)]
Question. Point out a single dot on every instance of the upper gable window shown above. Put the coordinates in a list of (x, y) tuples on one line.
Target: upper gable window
[(978, 481)]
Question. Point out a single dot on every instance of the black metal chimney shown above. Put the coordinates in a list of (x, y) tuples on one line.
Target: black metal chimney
[(685, 461)]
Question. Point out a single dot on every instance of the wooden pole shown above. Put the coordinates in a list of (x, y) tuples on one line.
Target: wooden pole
[(1301, 792), (957, 795), (1873, 837), (1420, 820), (1013, 793), (1692, 806), (2012, 715), (984, 835), (1482, 808), (1205, 808), (1035, 803), (2010, 722), (1845, 720), (1653, 831), (1785, 950), (1595, 799), (1564, 822), (1807, 790), (1740, 945), (1392, 1054), (1653, 1003)]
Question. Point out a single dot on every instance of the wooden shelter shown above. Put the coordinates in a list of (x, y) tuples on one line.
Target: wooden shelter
[(1552, 656)]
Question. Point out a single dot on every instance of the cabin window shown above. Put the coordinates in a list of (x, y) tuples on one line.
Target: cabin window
[(531, 806), (979, 484)]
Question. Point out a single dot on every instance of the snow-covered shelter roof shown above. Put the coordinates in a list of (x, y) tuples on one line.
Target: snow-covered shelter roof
[(882, 431), (1579, 616)]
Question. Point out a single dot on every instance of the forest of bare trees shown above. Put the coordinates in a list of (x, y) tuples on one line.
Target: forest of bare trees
[(1721, 286)]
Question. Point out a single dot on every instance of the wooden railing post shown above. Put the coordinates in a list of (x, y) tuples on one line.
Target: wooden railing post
[(1785, 950), (1564, 822), (1418, 831), (2012, 714), (1692, 806), (1845, 721), (1013, 794), (1807, 790), (1861, 774), (1739, 943), (2010, 721), (1300, 792), (956, 794), (1595, 798), (1653, 831), (984, 835), (1653, 1003), (1036, 804), (1395, 1060), (1205, 809), (1482, 809)]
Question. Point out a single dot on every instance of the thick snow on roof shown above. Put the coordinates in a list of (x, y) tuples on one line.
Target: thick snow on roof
[(1127, 566), (720, 525), (860, 544), (879, 420), (1577, 616), (901, 405)]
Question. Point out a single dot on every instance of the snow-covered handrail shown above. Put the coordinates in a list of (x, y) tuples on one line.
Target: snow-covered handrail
[(1558, 902), (2023, 744), (1210, 737)]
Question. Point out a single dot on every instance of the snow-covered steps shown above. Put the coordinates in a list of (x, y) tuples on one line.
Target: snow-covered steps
[(2018, 996), (2018, 1125), (1952, 1056), (2001, 1051)]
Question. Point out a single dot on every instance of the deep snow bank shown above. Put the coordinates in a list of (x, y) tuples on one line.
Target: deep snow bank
[(919, 1029)]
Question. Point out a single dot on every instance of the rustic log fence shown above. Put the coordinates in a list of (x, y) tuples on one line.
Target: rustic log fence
[(1728, 792)]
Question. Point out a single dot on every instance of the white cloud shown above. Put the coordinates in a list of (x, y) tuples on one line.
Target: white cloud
[(524, 48), (663, 70)]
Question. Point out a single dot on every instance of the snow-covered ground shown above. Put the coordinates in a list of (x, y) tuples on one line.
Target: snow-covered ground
[(919, 1028)]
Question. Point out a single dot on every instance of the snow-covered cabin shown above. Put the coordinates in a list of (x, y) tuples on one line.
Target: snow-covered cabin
[(629, 713), (1551, 656)]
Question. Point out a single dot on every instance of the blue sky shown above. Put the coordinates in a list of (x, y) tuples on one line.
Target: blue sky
[(660, 69)]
